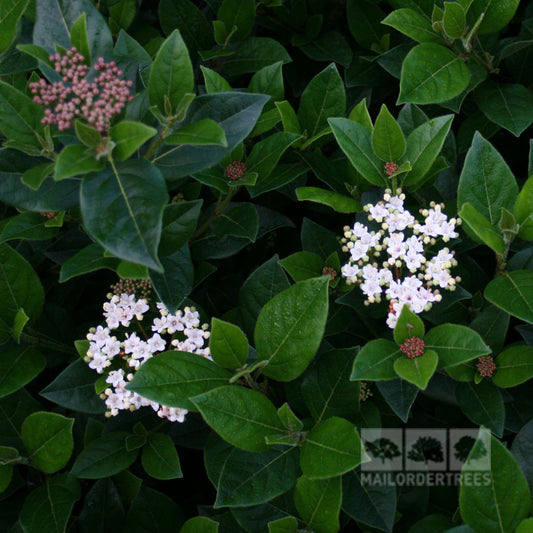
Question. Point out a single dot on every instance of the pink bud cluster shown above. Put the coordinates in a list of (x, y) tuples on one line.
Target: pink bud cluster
[(486, 366), (413, 347), (96, 102), (235, 170)]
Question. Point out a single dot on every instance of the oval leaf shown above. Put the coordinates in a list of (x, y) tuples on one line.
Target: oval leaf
[(513, 292)]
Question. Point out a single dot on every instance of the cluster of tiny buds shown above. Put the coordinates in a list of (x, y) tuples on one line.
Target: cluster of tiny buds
[(49, 214), (329, 271), (140, 287), (392, 259), (365, 392), (413, 347), (235, 170), (486, 366), (96, 102), (390, 168), (178, 198)]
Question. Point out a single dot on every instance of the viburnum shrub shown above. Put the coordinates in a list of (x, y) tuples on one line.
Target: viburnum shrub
[(266, 266)]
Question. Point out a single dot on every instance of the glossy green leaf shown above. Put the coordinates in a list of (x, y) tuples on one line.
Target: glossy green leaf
[(200, 524), (171, 75), (455, 344), (526, 526), (122, 208), (364, 21), (49, 506), (486, 181), (454, 21), (290, 327), (253, 478), (289, 524), (102, 508), (128, 137), (176, 282), (513, 292), (508, 105), (154, 511), (413, 24), (203, 132), (79, 37), (241, 416), (338, 202), (73, 389), (331, 448), (355, 141), (408, 325), (10, 13), (388, 141), (361, 115), (523, 209), (228, 345), (418, 370), (319, 502), (104, 457), (424, 144), (160, 458), (240, 220), (88, 135), (179, 222), (87, 260), (18, 366), (290, 121), (25, 225), (75, 160), (323, 97), (303, 265), (48, 440), (431, 73), (513, 366), (172, 378), (496, 15), (34, 176), (238, 15), (499, 506), (482, 229), (375, 361), (214, 82), (268, 80)]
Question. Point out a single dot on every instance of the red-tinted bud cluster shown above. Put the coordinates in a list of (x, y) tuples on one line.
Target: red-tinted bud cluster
[(390, 168), (486, 366), (50, 214), (235, 170), (413, 347)]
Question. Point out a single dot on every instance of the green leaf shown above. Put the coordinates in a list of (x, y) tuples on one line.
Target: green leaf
[(500, 505), (18, 366), (513, 366), (388, 141), (25, 225), (10, 13), (79, 37), (338, 202), (375, 361), (454, 21), (238, 15), (172, 378), (455, 344), (160, 458), (34, 176), (76, 159), (242, 417), (88, 135), (413, 24), (254, 54), (496, 15), (361, 115), (266, 153), (355, 141), (48, 507), (102, 508), (190, 20), (20, 116), (290, 121), (303, 265), (200, 524), (408, 325), (523, 209), (319, 502), (289, 524), (73, 389), (122, 209), (87, 260), (153, 511), (171, 75), (268, 80), (364, 21), (128, 137), (179, 222), (290, 327), (254, 478), (48, 440), (486, 181), (203, 132), (513, 292), (332, 448), (323, 97), (508, 105), (432, 73), (21, 319), (104, 457), (482, 229), (526, 526), (214, 82), (418, 370), (240, 220), (424, 144), (176, 282), (228, 345)]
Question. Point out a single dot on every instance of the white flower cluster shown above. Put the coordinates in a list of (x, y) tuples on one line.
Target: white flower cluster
[(403, 273), (127, 355)]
